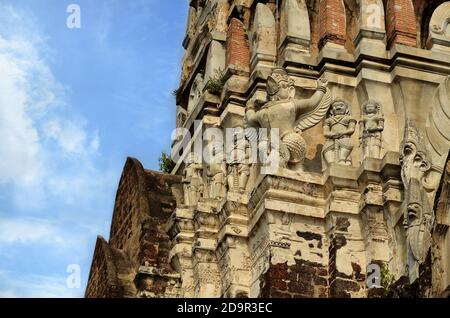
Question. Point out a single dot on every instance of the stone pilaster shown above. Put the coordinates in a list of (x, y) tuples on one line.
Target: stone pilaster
[(372, 211), (181, 231), (392, 200), (347, 259), (206, 267), (232, 251), (287, 240)]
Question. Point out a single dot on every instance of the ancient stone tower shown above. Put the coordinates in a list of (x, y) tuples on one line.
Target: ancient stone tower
[(352, 198)]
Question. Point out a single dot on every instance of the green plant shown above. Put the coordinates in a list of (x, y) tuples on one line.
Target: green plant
[(387, 279), (216, 83), (166, 164)]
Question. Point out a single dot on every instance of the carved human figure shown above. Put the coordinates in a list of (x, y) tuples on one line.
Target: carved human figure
[(193, 184), (216, 169), (291, 116), (239, 165), (217, 174), (338, 129), (418, 216), (372, 126)]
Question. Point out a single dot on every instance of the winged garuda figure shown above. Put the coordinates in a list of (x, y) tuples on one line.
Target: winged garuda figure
[(291, 116)]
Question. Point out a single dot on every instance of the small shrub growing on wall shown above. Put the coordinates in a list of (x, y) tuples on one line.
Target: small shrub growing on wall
[(387, 279), (216, 83), (166, 164)]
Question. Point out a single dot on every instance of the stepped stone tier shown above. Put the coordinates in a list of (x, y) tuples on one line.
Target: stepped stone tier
[(357, 95)]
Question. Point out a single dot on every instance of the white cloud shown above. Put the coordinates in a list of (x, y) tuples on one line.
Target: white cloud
[(19, 148), (46, 148), (30, 286), (64, 237), (49, 164), (24, 231)]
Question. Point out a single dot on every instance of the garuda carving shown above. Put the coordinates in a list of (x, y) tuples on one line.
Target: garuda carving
[(418, 213), (291, 116)]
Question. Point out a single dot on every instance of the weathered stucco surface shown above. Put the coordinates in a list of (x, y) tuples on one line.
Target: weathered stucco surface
[(364, 178)]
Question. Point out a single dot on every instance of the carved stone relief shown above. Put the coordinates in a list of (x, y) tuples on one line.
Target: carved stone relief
[(289, 115), (239, 165), (372, 126), (417, 212), (338, 129), (193, 184)]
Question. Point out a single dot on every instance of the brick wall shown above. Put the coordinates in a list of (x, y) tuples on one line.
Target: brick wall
[(304, 279), (332, 24), (238, 49), (144, 203), (111, 274), (401, 23)]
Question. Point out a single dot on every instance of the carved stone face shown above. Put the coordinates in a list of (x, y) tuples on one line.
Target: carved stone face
[(371, 108), (339, 108), (280, 86), (414, 213), (284, 93)]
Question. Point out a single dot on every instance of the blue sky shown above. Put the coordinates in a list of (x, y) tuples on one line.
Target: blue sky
[(74, 103)]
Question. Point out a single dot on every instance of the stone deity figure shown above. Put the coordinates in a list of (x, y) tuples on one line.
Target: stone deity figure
[(216, 170), (239, 165), (193, 184), (372, 126), (217, 174), (289, 115), (338, 129)]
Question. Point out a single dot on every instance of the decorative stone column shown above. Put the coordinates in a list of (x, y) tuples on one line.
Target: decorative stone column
[(206, 268), (232, 251), (181, 231), (287, 238), (372, 216)]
